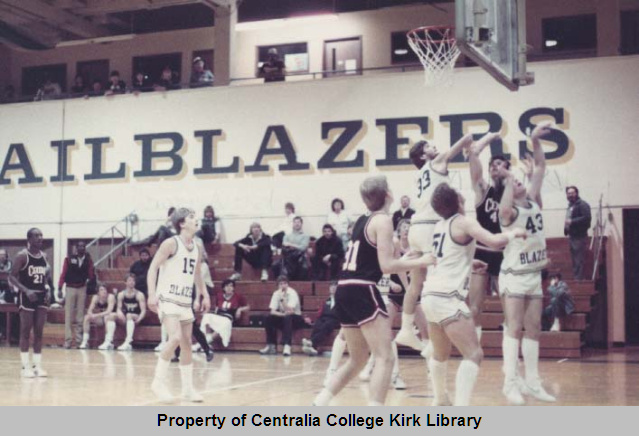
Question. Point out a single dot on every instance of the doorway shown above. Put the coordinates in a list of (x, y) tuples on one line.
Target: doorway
[(343, 57)]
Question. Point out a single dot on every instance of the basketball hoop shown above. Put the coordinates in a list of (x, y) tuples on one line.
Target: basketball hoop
[(437, 49)]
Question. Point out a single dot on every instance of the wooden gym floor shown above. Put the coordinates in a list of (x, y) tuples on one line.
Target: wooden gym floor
[(99, 378)]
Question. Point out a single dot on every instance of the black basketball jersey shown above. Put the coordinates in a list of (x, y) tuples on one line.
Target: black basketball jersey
[(101, 307), (33, 275), (488, 211), (361, 261), (130, 304)]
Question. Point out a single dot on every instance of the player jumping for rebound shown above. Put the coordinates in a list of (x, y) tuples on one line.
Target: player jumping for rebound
[(178, 262), (432, 169), (520, 275)]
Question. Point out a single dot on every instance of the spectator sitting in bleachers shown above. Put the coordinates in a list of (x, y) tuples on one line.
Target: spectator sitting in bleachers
[(49, 90), (140, 268), (285, 227), (8, 95), (255, 248), (227, 308), (141, 83), (199, 75), (329, 255), (101, 306), (338, 218), (561, 303), (96, 89), (294, 263), (209, 227), (166, 81), (131, 309), (286, 315), (165, 231), (115, 85), (78, 89), (325, 324)]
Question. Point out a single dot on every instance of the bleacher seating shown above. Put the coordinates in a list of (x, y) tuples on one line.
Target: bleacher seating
[(564, 344)]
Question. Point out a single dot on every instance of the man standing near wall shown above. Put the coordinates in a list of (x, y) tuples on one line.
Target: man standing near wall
[(576, 228), (76, 272)]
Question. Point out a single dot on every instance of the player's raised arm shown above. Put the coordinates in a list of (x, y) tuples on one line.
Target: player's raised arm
[(440, 163), (539, 170), (506, 209), (476, 169), (166, 250), (492, 240)]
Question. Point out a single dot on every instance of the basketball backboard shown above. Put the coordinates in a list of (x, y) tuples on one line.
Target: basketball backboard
[(493, 34)]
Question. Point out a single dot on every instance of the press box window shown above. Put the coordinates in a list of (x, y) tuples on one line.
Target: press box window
[(565, 34)]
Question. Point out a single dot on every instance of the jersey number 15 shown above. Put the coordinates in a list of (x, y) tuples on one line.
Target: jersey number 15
[(189, 266)]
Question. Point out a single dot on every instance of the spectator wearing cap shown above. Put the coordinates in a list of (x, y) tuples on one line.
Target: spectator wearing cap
[(273, 70), (199, 75), (325, 324), (115, 85)]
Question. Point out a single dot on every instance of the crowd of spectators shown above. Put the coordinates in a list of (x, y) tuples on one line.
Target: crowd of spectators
[(167, 80)]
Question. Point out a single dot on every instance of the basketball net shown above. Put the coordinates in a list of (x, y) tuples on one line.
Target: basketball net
[(437, 50)]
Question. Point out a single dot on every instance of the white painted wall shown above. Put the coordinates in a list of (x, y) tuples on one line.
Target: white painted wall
[(601, 116)]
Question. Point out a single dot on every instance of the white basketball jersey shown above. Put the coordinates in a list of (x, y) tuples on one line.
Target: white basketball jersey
[(450, 276), (529, 255), (427, 180), (176, 283)]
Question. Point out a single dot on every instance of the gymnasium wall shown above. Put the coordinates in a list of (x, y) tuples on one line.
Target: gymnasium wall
[(248, 150)]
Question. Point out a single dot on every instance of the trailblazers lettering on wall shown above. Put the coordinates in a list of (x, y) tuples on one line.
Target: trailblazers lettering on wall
[(164, 154)]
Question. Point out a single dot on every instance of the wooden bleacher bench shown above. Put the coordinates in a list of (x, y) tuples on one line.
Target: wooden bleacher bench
[(564, 344)]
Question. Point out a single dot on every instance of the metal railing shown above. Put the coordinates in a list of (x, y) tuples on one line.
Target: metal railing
[(119, 234), (598, 233)]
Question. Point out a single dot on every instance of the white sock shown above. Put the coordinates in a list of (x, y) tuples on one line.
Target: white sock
[(85, 337), (323, 398), (186, 375), (24, 358), (162, 369), (375, 403), (37, 360), (130, 329), (478, 330), (465, 382), (511, 356), (408, 320), (396, 364), (530, 350), (339, 345), (110, 331), (438, 374)]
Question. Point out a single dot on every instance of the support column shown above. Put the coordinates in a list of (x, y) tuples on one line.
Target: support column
[(225, 21), (608, 28)]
